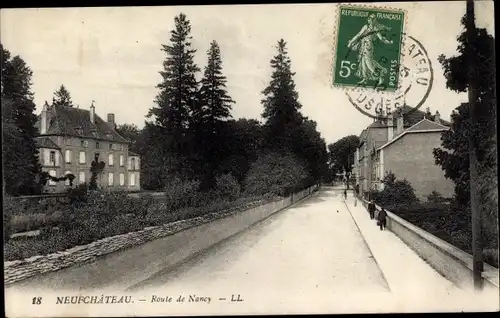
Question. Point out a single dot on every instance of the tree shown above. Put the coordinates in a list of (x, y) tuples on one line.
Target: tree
[(311, 147), (243, 141), (454, 157), (395, 192), (212, 113), (130, 132), (275, 173), (176, 100), (96, 168), (341, 154), (158, 164), (20, 153), (62, 97), (281, 105)]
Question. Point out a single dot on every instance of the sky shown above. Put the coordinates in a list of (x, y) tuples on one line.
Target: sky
[(113, 55)]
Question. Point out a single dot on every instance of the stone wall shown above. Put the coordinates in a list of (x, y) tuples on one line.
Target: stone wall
[(15, 271), (446, 259)]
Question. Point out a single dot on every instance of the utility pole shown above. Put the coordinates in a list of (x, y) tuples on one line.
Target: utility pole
[(477, 248)]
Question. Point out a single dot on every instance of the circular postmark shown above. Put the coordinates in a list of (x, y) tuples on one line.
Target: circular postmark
[(410, 77)]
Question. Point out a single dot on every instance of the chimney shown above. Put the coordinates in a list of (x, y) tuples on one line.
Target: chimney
[(92, 113), (44, 119), (399, 124), (111, 120), (390, 126), (437, 117)]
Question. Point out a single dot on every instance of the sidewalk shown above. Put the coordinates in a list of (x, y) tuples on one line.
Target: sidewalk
[(408, 276)]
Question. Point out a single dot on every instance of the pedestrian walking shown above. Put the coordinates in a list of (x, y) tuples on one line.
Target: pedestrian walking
[(371, 209), (382, 219), (345, 194)]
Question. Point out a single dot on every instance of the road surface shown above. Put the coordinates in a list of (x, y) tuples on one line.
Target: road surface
[(309, 258), (313, 246)]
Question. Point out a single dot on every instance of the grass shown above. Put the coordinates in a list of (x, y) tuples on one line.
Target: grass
[(89, 225)]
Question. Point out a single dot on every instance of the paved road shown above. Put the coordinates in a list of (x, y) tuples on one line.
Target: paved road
[(312, 248)]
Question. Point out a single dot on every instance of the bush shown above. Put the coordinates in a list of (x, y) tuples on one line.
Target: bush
[(182, 193), (227, 187), (275, 173), (395, 192), (435, 197)]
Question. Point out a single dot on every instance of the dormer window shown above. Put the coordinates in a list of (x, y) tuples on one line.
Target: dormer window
[(93, 131), (109, 135), (79, 130)]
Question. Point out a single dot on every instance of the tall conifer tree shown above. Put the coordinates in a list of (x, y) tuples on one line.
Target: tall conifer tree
[(176, 99), (281, 104), (213, 113)]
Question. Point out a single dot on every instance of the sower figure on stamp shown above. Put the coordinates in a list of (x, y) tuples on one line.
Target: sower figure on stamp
[(363, 42), (382, 219)]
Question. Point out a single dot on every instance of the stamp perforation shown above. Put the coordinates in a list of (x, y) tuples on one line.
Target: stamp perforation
[(337, 11)]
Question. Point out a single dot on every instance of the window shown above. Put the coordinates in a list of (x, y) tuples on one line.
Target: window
[(132, 163), (110, 146), (110, 178), (53, 174), (67, 180), (67, 156), (132, 179), (84, 143), (122, 179), (121, 160), (122, 147), (82, 157), (52, 159), (97, 145), (81, 177), (68, 141), (111, 159)]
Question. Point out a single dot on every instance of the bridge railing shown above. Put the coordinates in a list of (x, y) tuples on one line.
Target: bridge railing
[(446, 259)]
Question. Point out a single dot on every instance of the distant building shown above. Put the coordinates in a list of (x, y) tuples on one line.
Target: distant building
[(70, 138), (403, 145)]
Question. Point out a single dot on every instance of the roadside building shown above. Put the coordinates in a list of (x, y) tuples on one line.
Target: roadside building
[(69, 140), (403, 144)]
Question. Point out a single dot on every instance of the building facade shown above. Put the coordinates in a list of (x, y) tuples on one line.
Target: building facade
[(71, 138), (403, 144)]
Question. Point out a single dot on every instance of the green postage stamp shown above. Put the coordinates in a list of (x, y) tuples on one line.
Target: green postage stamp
[(368, 47)]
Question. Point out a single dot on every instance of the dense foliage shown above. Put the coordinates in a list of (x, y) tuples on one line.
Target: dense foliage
[(341, 155), (19, 150), (454, 157), (394, 192), (192, 135)]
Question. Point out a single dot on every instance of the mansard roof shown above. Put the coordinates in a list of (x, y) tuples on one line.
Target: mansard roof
[(72, 121)]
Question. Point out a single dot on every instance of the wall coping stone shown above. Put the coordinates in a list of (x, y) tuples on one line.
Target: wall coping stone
[(490, 273)]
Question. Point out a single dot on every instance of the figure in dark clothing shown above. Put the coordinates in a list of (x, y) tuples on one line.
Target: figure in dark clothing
[(371, 210), (345, 194), (382, 219)]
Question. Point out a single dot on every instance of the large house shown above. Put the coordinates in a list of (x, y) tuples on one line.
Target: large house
[(71, 138), (403, 144)]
